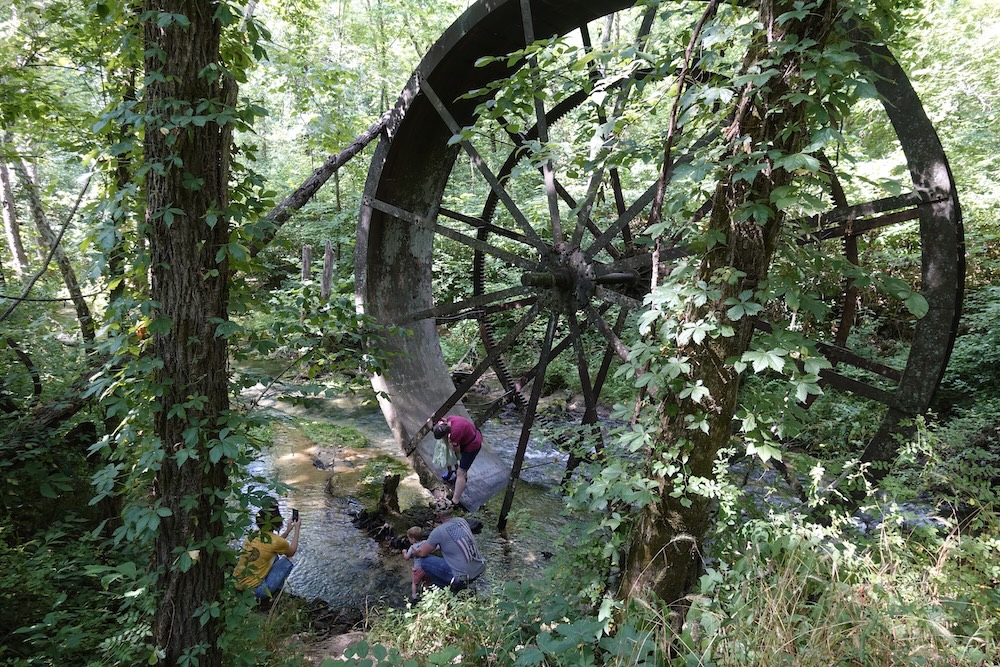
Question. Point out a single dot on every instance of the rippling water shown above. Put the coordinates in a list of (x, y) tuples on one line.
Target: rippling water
[(341, 564)]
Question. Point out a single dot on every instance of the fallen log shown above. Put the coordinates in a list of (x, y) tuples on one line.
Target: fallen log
[(293, 202)]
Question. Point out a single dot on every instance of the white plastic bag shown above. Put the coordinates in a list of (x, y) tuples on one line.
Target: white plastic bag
[(443, 455)]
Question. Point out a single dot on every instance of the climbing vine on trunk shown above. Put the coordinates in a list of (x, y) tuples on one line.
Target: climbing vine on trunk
[(796, 81)]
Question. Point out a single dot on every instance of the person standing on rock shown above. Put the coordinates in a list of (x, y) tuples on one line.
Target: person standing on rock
[(465, 439)]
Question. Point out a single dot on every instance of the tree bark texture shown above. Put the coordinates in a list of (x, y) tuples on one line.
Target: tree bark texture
[(665, 553), (185, 220)]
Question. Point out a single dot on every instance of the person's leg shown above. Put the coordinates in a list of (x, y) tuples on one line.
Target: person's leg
[(415, 579), (460, 481), (437, 570), (463, 475), (275, 578)]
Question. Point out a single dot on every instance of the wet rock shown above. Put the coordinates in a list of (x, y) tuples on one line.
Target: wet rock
[(332, 647), (355, 509), (326, 620), (323, 459)]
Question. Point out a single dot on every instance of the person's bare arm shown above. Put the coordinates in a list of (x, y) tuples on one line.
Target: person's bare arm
[(424, 550), (293, 544)]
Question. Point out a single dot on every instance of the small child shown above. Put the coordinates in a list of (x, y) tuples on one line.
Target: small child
[(416, 536)]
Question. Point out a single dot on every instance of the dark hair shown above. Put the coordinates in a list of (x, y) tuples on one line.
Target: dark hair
[(441, 429), (269, 514)]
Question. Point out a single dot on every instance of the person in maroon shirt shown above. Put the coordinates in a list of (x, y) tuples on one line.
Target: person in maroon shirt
[(465, 439)]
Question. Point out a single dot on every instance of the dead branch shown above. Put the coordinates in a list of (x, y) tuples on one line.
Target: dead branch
[(293, 202)]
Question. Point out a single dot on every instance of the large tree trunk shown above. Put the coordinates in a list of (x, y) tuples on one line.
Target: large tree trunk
[(667, 547), (187, 229)]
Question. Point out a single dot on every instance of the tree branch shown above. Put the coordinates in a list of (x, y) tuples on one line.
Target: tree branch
[(293, 202)]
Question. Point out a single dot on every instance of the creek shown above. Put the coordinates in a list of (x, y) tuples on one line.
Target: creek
[(342, 565), (339, 563)]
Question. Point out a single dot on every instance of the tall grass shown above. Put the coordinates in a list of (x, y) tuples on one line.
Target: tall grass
[(807, 599), (795, 594)]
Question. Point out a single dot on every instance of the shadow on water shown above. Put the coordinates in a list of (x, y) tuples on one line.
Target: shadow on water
[(341, 564)]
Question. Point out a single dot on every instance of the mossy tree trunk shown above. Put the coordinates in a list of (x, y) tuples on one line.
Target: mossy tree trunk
[(666, 549)]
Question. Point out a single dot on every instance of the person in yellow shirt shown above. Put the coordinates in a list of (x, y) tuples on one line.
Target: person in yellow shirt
[(264, 562)]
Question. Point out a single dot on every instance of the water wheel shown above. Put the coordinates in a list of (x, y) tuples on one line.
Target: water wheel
[(554, 249)]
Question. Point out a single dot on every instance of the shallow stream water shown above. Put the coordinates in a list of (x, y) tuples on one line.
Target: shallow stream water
[(340, 563)]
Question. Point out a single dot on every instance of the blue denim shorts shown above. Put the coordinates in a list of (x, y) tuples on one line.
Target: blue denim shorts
[(275, 578), (436, 569)]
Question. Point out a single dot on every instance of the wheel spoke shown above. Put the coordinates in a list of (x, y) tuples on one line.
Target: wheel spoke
[(473, 377), (589, 397), (595, 318), (864, 389), (617, 298), (589, 401), (840, 355), (521, 139), (860, 218), (474, 243), (529, 420), (454, 309), (584, 220), (836, 354), (481, 225), (598, 176), (480, 164), (560, 347), (543, 127), (623, 220), (609, 353)]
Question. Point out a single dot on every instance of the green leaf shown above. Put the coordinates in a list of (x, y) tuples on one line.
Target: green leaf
[(763, 451), (529, 656), (796, 162), (916, 304), (764, 359)]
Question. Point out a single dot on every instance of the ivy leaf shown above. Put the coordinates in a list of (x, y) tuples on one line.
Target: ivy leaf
[(764, 451), (695, 392), (763, 359), (646, 320), (803, 388), (796, 162)]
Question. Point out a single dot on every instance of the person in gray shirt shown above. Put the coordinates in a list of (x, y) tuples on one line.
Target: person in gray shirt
[(460, 562)]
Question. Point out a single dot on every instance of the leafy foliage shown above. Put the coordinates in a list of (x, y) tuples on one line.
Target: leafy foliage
[(69, 84)]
